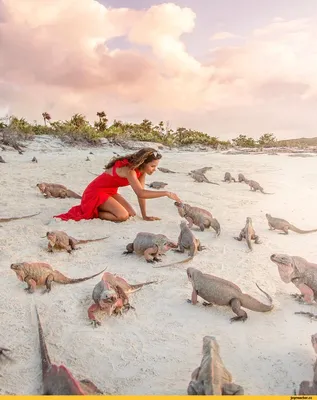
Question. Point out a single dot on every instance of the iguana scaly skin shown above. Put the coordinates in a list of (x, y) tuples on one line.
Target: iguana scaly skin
[(56, 190), (199, 177), (228, 178), (200, 170), (212, 377), (186, 241), (242, 178), (166, 170), (224, 293), (248, 233), (111, 295), (157, 185), (283, 225), (150, 245), (42, 274), (254, 186), (198, 216), (59, 240), (57, 379), (302, 273), (15, 218), (307, 387)]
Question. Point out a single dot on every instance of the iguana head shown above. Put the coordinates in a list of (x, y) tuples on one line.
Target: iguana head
[(51, 236), (286, 266), (18, 268), (164, 243), (192, 273), (41, 186), (107, 298), (268, 216), (180, 208), (249, 220)]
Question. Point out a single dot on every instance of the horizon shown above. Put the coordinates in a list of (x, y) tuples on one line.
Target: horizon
[(196, 64)]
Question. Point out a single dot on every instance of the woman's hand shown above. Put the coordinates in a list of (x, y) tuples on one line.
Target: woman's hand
[(151, 218), (173, 196)]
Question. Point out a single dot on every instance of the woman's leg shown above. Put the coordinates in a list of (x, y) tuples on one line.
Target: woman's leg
[(112, 210), (125, 204)]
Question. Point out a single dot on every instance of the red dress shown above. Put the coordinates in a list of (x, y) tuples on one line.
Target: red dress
[(96, 193)]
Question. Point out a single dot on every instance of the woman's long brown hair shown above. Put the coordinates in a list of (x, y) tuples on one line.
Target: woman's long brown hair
[(137, 159)]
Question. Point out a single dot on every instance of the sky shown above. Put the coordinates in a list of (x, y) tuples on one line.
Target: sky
[(223, 67)]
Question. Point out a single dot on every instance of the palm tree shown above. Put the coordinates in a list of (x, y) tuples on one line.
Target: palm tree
[(46, 116)]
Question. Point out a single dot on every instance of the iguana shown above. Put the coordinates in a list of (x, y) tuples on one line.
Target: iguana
[(248, 233), (3, 354), (56, 190), (224, 293), (241, 178), (111, 295), (42, 274), (60, 240), (228, 178), (201, 178), (200, 170), (15, 218), (212, 377), (57, 379), (186, 241), (34, 159), (150, 245), (166, 170), (302, 273), (283, 225), (157, 185), (254, 186), (307, 387), (198, 216)]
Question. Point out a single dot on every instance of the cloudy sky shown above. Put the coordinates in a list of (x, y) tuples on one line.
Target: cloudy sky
[(224, 67)]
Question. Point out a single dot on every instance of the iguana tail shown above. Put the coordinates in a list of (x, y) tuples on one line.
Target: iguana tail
[(138, 286), (91, 240), (46, 361), (60, 278), (253, 304), (176, 263), (70, 193), (248, 239), (297, 230), (15, 218)]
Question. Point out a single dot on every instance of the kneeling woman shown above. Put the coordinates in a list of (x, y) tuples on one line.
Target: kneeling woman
[(101, 198)]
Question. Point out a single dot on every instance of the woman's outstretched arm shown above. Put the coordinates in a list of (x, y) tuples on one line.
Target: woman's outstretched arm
[(147, 194), (142, 203)]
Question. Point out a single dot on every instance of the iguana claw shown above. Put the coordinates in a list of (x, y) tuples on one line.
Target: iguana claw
[(95, 323)]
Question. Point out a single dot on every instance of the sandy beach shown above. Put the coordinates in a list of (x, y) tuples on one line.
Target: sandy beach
[(154, 349)]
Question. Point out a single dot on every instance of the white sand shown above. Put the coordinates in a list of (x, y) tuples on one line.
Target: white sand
[(155, 349)]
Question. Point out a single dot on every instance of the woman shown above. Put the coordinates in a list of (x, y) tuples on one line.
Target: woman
[(101, 198)]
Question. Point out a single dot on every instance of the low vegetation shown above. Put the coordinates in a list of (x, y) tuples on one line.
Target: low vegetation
[(78, 130)]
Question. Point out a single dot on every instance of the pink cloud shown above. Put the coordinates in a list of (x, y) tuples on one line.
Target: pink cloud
[(54, 57)]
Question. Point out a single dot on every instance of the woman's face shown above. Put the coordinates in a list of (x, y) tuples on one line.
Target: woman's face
[(150, 167)]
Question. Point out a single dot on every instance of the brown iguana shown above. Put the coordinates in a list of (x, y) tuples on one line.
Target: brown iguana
[(254, 186), (56, 190), (248, 233), (42, 274), (57, 379), (302, 273), (186, 241), (166, 170), (228, 178), (307, 387), (283, 225), (157, 185), (198, 216), (60, 240), (200, 170), (111, 295), (224, 293), (15, 218), (201, 178), (242, 178), (212, 377), (150, 245)]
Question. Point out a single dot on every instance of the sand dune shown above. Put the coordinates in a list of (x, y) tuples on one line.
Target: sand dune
[(154, 349)]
